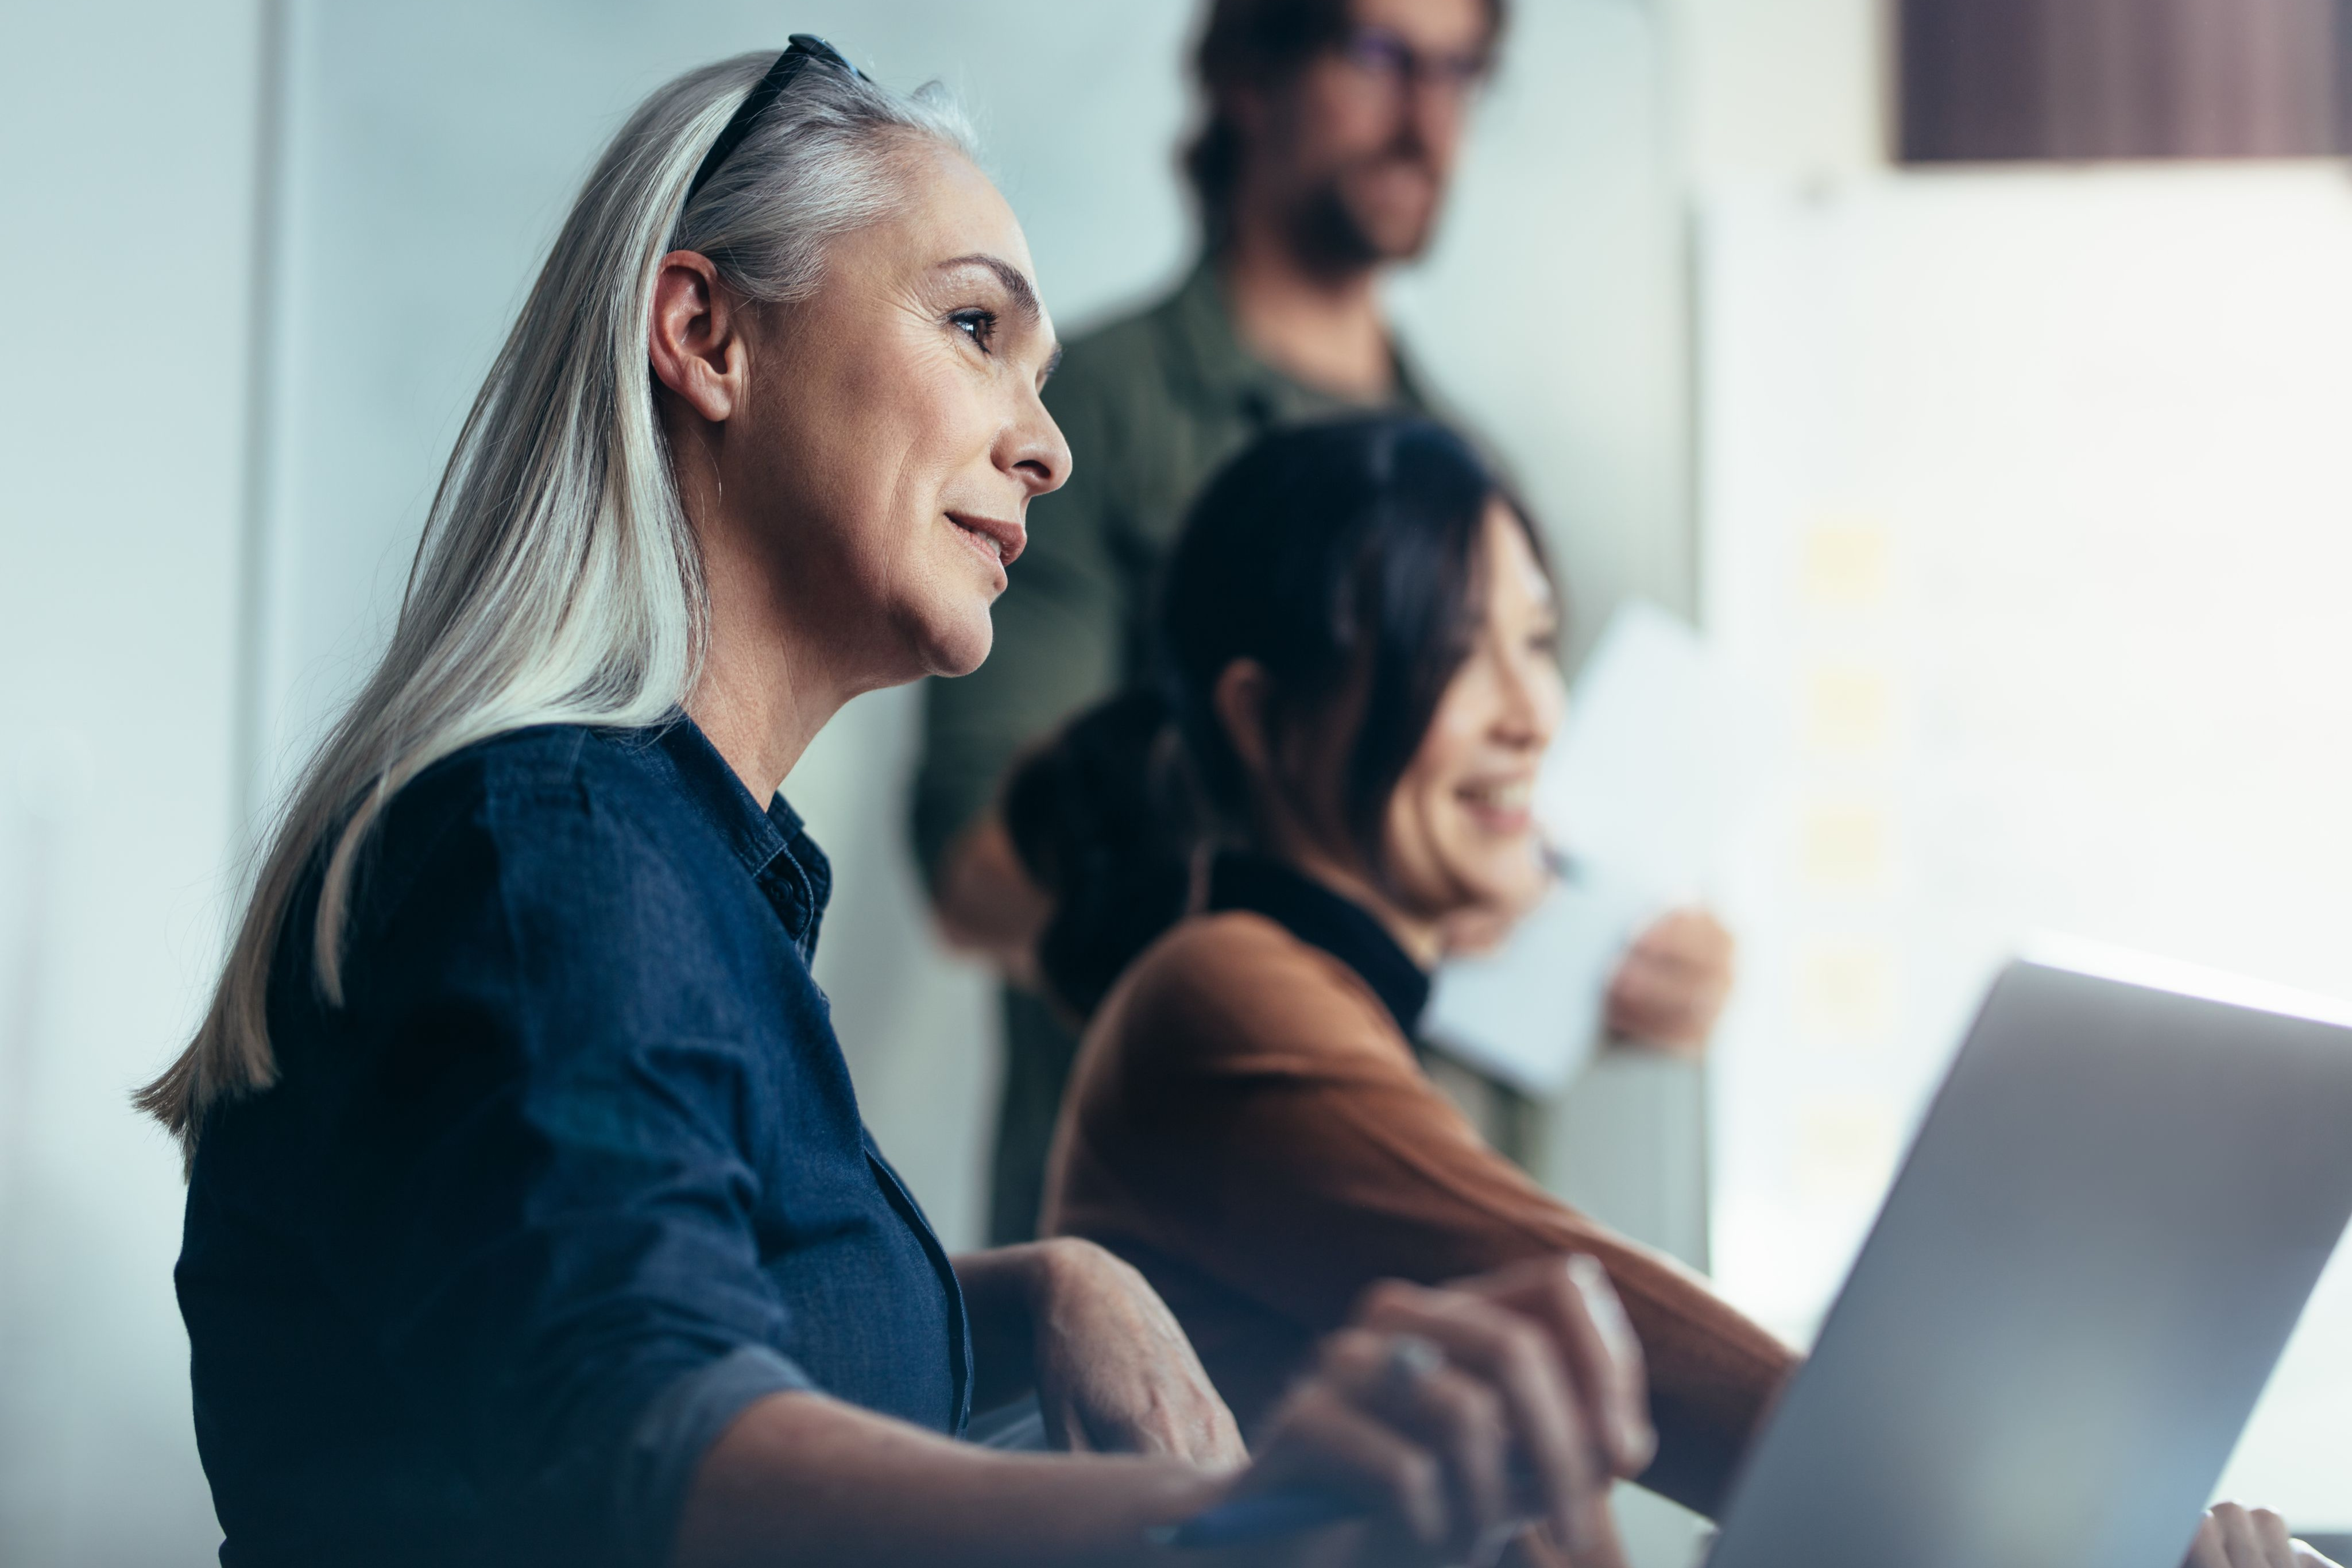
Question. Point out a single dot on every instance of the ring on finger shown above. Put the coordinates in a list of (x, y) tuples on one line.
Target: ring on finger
[(1411, 1362)]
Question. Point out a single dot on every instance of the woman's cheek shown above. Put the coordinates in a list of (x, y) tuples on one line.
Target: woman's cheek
[(1414, 846), (1463, 851)]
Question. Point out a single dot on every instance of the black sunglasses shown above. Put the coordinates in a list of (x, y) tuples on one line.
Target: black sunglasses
[(803, 48)]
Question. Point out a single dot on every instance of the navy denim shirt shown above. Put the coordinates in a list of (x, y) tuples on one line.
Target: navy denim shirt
[(574, 1175)]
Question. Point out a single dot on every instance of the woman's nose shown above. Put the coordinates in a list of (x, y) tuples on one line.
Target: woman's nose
[(1529, 710), (1515, 727), (1033, 451)]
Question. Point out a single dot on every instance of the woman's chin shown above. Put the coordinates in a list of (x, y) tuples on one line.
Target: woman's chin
[(1512, 879), (960, 645)]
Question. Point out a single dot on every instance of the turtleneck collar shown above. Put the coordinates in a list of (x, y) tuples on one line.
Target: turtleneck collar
[(1322, 918)]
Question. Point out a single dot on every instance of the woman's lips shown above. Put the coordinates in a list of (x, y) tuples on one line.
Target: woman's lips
[(1004, 541)]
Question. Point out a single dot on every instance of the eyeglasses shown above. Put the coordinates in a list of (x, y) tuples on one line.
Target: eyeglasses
[(803, 48), (1383, 55)]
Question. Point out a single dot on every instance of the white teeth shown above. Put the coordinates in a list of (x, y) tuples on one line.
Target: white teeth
[(995, 546), (1510, 797)]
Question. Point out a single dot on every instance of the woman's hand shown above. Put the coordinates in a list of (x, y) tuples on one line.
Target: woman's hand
[(1115, 1373), (2236, 1537), (1112, 1370), (1457, 1417), (1672, 982)]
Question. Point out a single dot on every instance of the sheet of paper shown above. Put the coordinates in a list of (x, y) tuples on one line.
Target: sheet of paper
[(1632, 791)]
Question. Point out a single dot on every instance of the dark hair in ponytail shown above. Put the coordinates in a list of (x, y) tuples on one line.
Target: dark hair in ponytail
[(1105, 821), (1342, 557)]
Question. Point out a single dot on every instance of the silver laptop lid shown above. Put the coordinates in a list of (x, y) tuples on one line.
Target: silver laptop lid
[(2091, 1259)]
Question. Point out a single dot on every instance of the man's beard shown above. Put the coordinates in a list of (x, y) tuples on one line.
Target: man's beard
[(1332, 237)]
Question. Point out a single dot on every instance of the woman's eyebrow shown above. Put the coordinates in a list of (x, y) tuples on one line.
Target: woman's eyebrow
[(1024, 297)]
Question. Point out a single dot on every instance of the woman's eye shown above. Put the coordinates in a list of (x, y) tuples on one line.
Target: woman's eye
[(979, 326)]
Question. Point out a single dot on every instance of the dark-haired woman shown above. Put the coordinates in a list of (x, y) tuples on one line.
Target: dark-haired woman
[(1358, 677), (1359, 660)]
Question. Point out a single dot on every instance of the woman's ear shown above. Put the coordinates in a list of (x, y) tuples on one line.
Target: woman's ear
[(696, 338), (1239, 698)]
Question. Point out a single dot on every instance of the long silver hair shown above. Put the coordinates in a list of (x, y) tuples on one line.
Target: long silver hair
[(558, 581)]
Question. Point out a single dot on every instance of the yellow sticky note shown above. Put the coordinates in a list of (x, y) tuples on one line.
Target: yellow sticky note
[(1845, 990), (1846, 565), (1844, 848), (1846, 709)]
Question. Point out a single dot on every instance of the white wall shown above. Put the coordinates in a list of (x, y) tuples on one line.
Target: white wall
[(1778, 89), (1892, 311), (2027, 536), (127, 213)]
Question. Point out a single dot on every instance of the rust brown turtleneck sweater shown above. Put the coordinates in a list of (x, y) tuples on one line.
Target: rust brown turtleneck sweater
[(1248, 1125)]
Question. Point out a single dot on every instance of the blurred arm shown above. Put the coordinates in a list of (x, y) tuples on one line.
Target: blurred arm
[(1337, 1163), (804, 1478), (986, 903)]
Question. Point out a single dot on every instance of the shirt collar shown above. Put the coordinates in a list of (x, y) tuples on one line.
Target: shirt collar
[(1322, 918), (1224, 368), (773, 845)]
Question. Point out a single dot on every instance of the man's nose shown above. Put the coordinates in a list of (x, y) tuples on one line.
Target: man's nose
[(1433, 115)]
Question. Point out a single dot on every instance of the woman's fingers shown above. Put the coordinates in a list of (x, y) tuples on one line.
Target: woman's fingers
[(1549, 1420), (2239, 1540), (1456, 1412), (2270, 1532), (2236, 1537), (1573, 1300), (1673, 980), (1352, 1448), (1460, 1419), (1607, 1356), (1423, 1447), (1454, 1422)]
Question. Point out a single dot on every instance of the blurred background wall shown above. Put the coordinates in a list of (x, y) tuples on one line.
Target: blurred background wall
[(128, 146), (259, 254)]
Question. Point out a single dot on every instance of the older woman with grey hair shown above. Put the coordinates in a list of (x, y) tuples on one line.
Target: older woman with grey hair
[(531, 1215)]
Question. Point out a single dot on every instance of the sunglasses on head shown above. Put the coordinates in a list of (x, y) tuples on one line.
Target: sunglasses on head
[(804, 49)]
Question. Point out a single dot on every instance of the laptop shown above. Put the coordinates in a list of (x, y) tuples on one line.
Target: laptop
[(2093, 1254)]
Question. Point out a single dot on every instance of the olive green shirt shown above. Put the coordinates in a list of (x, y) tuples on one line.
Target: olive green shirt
[(1153, 405)]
